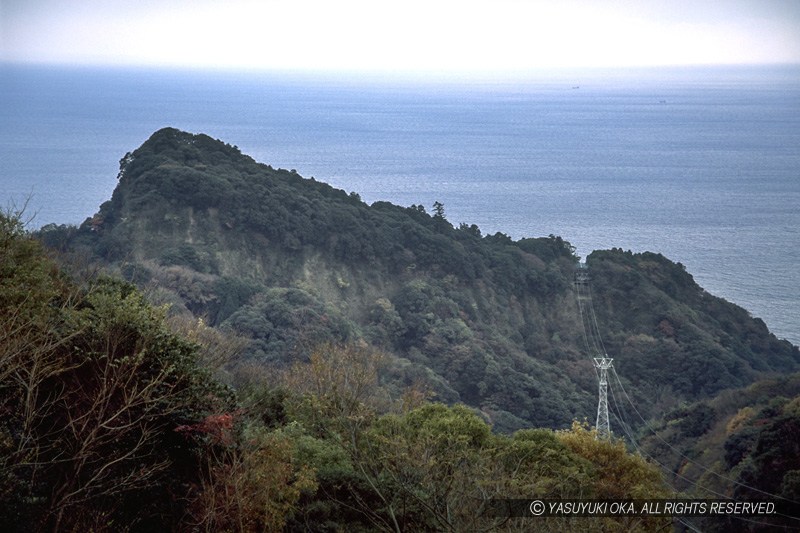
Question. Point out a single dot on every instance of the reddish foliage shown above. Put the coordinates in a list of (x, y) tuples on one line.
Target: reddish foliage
[(218, 428)]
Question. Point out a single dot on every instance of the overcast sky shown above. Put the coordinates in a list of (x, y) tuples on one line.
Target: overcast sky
[(394, 35)]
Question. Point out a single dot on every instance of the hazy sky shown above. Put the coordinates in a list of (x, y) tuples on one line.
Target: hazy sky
[(391, 35)]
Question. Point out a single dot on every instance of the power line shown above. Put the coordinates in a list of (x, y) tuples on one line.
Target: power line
[(695, 483), (588, 314), (680, 454), (594, 319), (594, 345), (690, 481), (602, 363)]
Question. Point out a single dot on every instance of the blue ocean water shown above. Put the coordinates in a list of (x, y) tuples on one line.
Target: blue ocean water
[(702, 165)]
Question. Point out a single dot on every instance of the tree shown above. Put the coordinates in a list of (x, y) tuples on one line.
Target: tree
[(338, 389), (92, 385), (438, 210), (428, 463), (617, 475), (251, 480)]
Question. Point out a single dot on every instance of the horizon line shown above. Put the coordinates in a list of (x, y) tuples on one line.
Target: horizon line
[(387, 72)]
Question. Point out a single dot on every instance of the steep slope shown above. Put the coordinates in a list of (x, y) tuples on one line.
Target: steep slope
[(485, 320)]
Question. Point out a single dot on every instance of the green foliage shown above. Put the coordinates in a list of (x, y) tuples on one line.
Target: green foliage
[(252, 483), (232, 294), (739, 445), (282, 322), (189, 256), (551, 247), (617, 473), (774, 453), (693, 421)]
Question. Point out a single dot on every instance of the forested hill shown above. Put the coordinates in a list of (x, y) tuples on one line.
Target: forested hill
[(485, 320)]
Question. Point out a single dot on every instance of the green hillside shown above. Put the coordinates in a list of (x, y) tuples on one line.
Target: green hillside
[(290, 263), (114, 420)]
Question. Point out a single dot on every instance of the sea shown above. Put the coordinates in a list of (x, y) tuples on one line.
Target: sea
[(700, 164)]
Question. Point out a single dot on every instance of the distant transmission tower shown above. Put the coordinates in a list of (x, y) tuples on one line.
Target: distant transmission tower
[(594, 344), (603, 426)]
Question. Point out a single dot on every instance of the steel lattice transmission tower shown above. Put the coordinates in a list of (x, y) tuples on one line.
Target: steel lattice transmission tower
[(594, 345), (602, 364)]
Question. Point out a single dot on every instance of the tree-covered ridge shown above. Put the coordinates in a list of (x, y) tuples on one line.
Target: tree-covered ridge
[(113, 420), (489, 321), (665, 329), (174, 171)]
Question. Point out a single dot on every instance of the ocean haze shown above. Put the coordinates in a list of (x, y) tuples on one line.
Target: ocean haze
[(699, 164)]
